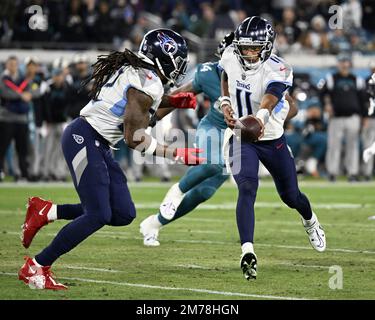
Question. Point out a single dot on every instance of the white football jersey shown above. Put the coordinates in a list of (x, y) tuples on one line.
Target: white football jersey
[(246, 89), (106, 113)]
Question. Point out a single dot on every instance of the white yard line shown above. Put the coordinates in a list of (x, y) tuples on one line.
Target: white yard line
[(192, 266), (148, 286), (90, 269), (232, 206), (98, 234), (302, 265)]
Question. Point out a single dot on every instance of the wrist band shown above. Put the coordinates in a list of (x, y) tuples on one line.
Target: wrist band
[(152, 147), (263, 114), (223, 100)]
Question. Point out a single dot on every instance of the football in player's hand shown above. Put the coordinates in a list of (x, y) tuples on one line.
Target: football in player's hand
[(250, 127)]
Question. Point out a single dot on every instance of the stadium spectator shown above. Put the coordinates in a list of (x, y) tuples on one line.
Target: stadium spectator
[(90, 16), (104, 27), (80, 72), (289, 26), (222, 24), (37, 85), (343, 96), (56, 102), (15, 104), (202, 25), (74, 30), (316, 38)]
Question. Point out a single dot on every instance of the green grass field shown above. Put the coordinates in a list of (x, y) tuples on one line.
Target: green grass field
[(199, 254)]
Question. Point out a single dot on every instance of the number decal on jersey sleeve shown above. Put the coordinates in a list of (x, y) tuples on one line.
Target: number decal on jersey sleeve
[(110, 84), (247, 101)]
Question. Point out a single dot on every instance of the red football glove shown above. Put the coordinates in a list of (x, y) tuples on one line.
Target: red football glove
[(183, 100), (188, 156)]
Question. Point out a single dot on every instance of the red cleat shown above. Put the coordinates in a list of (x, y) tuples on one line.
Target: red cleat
[(36, 217), (38, 277)]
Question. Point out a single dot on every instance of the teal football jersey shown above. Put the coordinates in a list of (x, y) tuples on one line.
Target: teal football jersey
[(207, 80)]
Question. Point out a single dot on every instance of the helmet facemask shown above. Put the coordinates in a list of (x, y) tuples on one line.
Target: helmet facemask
[(175, 70), (261, 49)]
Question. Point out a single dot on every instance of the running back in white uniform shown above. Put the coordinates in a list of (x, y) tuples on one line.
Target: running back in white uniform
[(246, 89), (106, 113)]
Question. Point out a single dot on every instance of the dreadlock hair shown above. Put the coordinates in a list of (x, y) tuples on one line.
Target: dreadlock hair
[(108, 64)]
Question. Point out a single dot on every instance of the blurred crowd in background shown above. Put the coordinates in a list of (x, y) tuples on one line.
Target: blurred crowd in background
[(37, 99), (300, 24)]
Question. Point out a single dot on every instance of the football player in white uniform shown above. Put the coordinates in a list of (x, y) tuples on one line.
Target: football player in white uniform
[(254, 82), (127, 90), (370, 151)]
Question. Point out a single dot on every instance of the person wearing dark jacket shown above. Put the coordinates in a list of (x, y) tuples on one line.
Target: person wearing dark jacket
[(16, 95), (56, 102), (344, 98)]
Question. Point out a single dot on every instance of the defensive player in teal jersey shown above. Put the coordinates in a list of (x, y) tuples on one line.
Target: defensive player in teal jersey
[(201, 182)]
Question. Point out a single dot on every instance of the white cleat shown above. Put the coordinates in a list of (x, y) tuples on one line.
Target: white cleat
[(171, 201), (150, 230), (316, 234)]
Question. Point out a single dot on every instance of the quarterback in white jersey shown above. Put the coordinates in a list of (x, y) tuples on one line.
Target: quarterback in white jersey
[(126, 91), (254, 82), (247, 88)]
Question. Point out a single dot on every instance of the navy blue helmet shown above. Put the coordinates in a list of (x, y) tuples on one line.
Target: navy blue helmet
[(167, 51), (254, 33)]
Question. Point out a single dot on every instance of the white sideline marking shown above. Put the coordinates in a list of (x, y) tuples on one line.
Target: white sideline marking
[(303, 265), (192, 266), (280, 204), (98, 234), (148, 286), (91, 269)]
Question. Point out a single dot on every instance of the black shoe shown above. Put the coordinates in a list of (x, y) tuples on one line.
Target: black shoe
[(353, 178), (331, 178), (248, 264), (165, 179)]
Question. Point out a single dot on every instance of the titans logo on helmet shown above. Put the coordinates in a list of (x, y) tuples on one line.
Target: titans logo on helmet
[(167, 44)]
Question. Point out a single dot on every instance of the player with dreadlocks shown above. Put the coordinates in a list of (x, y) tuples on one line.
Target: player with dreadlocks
[(127, 90)]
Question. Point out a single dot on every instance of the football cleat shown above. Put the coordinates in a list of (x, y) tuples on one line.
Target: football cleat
[(150, 231), (171, 201), (36, 218), (316, 235), (248, 264), (38, 277)]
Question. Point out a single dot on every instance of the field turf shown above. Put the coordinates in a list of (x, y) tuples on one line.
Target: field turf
[(199, 254)]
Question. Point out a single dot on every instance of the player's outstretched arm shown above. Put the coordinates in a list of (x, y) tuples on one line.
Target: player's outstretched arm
[(165, 108), (136, 121), (181, 98)]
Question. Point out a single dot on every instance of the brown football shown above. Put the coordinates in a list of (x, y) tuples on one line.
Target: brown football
[(250, 128)]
